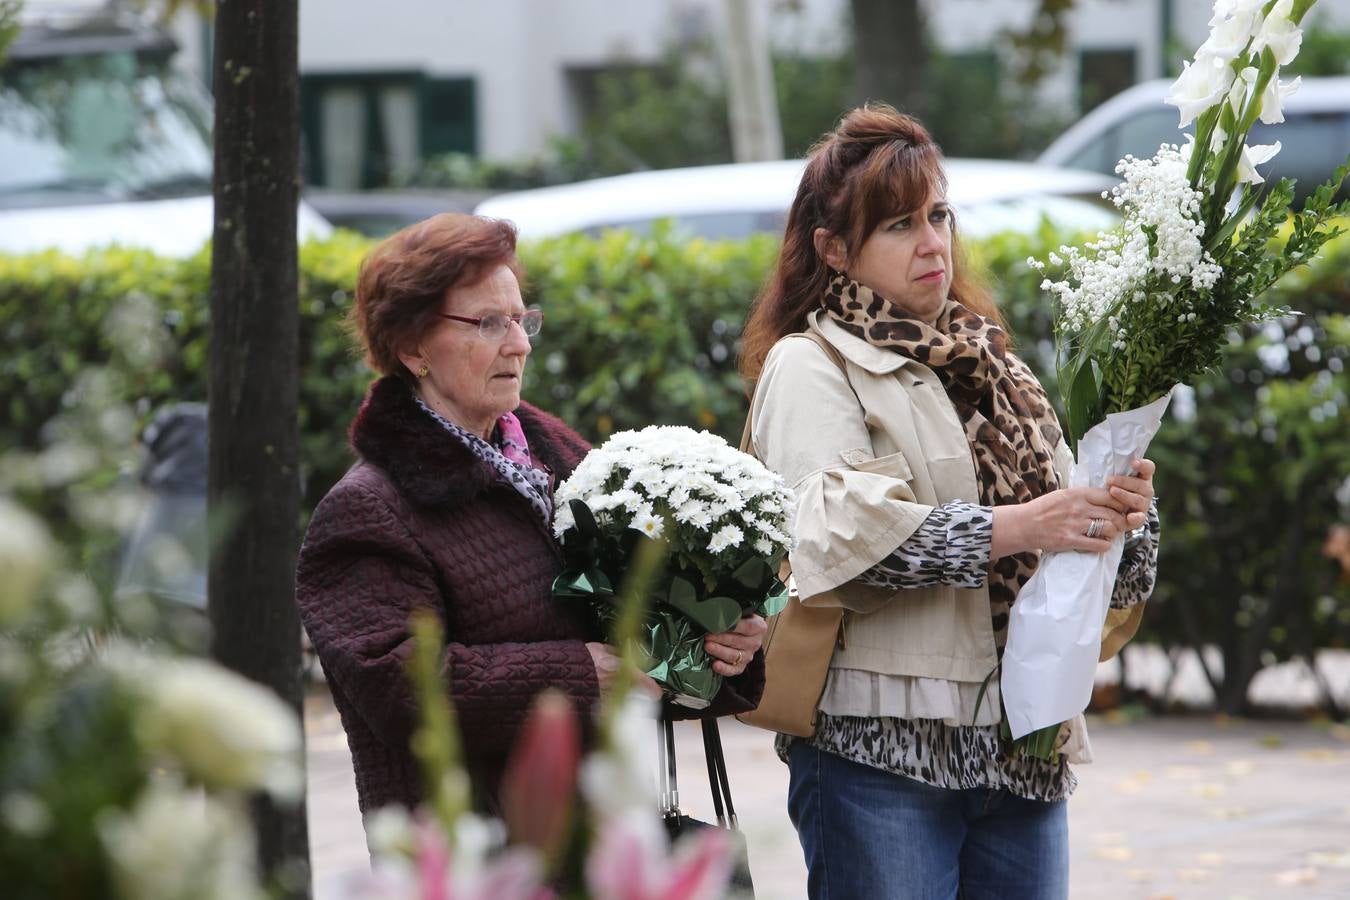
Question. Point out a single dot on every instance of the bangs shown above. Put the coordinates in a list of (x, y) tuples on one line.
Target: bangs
[(895, 183)]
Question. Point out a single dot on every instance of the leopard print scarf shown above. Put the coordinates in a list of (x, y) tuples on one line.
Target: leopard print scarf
[(1010, 425)]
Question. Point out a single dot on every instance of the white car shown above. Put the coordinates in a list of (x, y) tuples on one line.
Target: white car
[(103, 140), (1314, 138), (736, 200)]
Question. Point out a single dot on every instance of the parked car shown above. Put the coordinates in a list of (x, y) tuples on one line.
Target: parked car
[(380, 213), (1314, 137), (103, 139), (733, 201)]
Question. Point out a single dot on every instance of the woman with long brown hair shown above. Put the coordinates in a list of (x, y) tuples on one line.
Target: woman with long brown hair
[(930, 473)]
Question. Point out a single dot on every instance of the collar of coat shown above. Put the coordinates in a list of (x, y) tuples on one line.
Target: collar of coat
[(868, 356), (429, 466)]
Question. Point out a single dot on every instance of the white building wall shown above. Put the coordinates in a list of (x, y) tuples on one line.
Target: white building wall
[(518, 51)]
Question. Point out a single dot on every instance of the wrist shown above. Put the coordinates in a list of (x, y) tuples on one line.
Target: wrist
[(1010, 530)]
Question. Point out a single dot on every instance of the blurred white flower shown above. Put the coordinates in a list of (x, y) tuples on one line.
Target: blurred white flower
[(179, 844), (26, 555), (622, 776), (223, 729), (1253, 157), (24, 813)]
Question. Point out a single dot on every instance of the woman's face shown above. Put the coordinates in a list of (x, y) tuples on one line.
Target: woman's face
[(473, 381), (908, 259)]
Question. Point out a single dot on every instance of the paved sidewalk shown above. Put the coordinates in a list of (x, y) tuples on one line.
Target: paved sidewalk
[(1187, 808)]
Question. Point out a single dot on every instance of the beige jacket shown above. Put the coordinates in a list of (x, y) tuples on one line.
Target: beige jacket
[(869, 456)]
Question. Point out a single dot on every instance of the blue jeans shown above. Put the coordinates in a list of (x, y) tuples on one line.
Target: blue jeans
[(871, 835)]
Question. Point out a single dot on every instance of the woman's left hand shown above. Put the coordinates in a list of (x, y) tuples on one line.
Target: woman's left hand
[(732, 650), (1135, 492)]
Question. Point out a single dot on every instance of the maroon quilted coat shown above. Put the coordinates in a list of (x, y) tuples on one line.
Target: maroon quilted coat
[(420, 522)]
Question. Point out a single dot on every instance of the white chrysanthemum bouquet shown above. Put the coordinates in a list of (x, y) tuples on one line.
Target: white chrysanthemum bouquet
[(1148, 306), (724, 517)]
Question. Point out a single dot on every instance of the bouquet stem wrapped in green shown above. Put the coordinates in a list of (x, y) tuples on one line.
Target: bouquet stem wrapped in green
[(1150, 305), (724, 517)]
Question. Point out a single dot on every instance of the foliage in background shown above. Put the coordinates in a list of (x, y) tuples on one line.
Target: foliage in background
[(9, 25), (642, 330), (124, 771), (1325, 51)]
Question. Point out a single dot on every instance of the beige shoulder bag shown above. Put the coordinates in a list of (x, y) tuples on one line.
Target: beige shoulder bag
[(799, 643)]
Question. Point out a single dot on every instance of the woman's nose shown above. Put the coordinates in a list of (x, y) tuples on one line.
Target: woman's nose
[(932, 241), (516, 342)]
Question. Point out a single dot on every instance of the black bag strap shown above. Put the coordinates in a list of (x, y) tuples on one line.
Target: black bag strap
[(718, 780)]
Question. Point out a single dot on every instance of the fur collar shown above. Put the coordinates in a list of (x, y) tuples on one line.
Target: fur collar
[(430, 467)]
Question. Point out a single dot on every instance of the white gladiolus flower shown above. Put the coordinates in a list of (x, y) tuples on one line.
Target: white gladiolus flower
[(1253, 157), (25, 558), (177, 844), (1280, 34), (1201, 84), (1230, 29), (1273, 97), (224, 730)]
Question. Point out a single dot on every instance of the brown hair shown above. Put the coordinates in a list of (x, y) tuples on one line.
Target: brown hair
[(404, 280), (877, 164)]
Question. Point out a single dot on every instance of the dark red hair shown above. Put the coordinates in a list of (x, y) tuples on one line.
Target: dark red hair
[(877, 164), (404, 280)]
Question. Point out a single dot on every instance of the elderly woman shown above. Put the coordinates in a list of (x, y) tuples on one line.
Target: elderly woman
[(930, 474), (448, 510)]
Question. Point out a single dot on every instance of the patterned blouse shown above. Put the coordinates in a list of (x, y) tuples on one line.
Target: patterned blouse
[(952, 546)]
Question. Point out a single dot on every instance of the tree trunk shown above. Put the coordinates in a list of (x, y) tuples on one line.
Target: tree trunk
[(752, 103), (890, 53), (253, 481)]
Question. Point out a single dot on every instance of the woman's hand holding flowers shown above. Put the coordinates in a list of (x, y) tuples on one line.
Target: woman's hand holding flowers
[(1078, 518), (732, 650)]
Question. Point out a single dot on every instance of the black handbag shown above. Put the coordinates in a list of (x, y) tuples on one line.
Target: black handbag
[(677, 823)]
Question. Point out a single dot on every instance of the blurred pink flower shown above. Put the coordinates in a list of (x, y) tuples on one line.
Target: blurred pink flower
[(540, 784), (632, 860), (434, 874)]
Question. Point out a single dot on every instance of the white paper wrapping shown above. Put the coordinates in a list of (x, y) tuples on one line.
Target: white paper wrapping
[(1055, 631)]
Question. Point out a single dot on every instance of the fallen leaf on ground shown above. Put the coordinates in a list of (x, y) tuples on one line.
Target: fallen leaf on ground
[(1305, 875), (1334, 860), (1209, 791), (1319, 754), (1228, 812), (1193, 875), (1271, 741), (1199, 748), (1116, 854), (1213, 860), (1240, 768)]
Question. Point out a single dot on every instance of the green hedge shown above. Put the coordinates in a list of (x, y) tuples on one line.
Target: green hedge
[(642, 330)]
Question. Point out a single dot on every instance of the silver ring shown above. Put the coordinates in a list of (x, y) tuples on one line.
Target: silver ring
[(1095, 528)]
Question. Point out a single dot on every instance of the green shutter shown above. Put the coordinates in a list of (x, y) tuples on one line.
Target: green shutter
[(448, 114)]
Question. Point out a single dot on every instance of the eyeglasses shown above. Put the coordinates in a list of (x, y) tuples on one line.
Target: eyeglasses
[(495, 326)]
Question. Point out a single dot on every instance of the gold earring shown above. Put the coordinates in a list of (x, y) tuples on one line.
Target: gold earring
[(423, 372)]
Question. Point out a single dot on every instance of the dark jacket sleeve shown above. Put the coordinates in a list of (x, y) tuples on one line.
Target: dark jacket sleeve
[(360, 577), (738, 695)]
